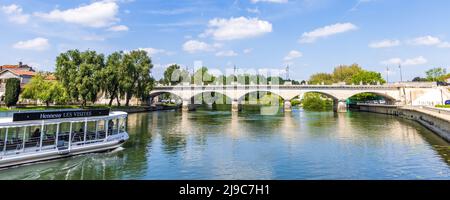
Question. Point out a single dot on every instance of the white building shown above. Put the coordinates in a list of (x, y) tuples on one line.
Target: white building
[(22, 72)]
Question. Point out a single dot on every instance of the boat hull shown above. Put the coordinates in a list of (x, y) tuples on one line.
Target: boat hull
[(28, 158)]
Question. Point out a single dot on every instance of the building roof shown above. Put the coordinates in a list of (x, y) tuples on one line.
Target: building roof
[(20, 72), (19, 66)]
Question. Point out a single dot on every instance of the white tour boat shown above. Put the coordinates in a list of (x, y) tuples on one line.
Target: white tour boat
[(39, 136)]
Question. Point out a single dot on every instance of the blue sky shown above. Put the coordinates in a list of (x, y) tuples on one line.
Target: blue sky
[(308, 35)]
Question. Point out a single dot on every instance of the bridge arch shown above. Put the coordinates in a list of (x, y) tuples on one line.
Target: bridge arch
[(254, 94), (327, 94), (153, 95), (210, 97), (388, 98)]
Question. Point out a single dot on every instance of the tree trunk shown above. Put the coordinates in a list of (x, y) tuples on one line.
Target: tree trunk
[(127, 102), (118, 101), (47, 104), (110, 101)]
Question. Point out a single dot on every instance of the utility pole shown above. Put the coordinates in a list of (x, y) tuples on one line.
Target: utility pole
[(401, 75), (287, 73), (387, 75)]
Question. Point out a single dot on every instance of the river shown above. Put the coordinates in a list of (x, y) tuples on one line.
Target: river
[(208, 144)]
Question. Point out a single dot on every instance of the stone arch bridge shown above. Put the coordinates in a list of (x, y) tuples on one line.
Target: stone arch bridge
[(394, 94)]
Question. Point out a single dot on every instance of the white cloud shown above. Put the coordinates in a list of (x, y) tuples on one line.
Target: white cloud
[(269, 1), (97, 14), (426, 41), (228, 53), (15, 14), (247, 51), (253, 10), (384, 44), (310, 37), (407, 62), (152, 51), (195, 46), (118, 28), (429, 41), (444, 45), (237, 28), (37, 44), (293, 55)]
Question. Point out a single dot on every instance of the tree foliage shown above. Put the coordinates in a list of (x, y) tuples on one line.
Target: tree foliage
[(12, 92), (352, 74), (202, 77), (46, 91), (319, 78), (344, 73), (367, 78), (111, 76), (85, 75), (80, 74), (436, 74), (316, 102), (175, 75)]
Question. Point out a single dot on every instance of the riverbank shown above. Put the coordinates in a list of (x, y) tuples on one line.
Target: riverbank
[(437, 122)]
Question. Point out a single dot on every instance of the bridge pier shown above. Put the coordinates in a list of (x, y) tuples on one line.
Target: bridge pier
[(287, 106), (235, 106), (185, 106), (340, 106)]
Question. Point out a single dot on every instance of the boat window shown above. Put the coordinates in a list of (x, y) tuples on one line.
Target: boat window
[(122, 125), (91, 131), (101, 129), (2, 138), (78, 131), (113, 127), (49, 136), (33, 137), (63, 136), (14, 139)]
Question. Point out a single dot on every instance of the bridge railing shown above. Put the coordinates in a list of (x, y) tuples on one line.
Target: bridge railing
[(392, 87)]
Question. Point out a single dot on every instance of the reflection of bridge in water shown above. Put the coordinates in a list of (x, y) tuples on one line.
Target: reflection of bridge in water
[(395, 94)]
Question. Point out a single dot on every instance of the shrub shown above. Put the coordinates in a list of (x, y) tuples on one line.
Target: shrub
[(12, 92)]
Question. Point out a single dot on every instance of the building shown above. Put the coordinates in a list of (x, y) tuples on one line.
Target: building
[(22, 72)]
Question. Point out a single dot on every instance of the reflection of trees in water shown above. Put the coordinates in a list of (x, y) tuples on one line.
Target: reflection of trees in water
[(172, 137)]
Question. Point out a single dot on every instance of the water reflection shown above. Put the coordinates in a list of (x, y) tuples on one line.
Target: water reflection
[(216, 144)]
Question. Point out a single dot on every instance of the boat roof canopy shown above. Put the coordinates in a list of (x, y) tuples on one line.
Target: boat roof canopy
[(54, 117)]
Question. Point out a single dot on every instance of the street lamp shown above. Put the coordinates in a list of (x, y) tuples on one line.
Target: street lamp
[(401, 75)]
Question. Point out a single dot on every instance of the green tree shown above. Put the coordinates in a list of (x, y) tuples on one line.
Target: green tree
[(436, 74), (12, 92), (175, 75), (67, 66), (111, 76), (136, 80), (345, 73), (367, 77), (202, 76), (316, 102), (46, 91), (320, 78), (81, 74), (419, 79)]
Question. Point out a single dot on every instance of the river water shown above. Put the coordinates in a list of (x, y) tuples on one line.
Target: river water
[(209, 144)]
